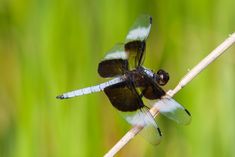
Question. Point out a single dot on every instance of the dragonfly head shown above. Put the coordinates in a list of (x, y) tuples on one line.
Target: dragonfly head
[(162, 77)]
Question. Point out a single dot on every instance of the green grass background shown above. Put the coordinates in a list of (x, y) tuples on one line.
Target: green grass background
[(49, 47)]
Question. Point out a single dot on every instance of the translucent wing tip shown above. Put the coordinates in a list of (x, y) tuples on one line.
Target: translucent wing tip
[(187, 112), (152, 135), (174, 111), (145, 17), (159, 131), (150, 19), (140, 29), (188, 118)]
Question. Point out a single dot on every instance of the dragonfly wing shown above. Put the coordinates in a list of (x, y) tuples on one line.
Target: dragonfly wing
[(121, 56), (124, 96), (173, 110), (115, 62), (135, 40), (128, 102), (142, 117), (140, 29), (151, 132)]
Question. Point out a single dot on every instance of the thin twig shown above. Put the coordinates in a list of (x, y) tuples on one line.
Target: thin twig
[(186, 79)]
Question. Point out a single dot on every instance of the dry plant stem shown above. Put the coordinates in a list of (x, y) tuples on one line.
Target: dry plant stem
[(128, 136), (203, 64), (186, 79), (124, 140)]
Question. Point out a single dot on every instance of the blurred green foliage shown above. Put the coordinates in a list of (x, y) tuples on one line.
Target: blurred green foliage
[(49, 47)]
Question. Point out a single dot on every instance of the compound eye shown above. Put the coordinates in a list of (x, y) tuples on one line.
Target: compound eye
[(163, 77)]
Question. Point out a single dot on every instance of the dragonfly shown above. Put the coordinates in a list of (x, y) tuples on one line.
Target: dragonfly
[(130, 83)]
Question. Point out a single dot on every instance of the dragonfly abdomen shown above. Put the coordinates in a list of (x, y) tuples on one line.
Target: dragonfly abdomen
[(89, 90)]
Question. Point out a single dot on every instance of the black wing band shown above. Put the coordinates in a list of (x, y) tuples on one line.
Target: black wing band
[(112, 68), (124, 96)]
